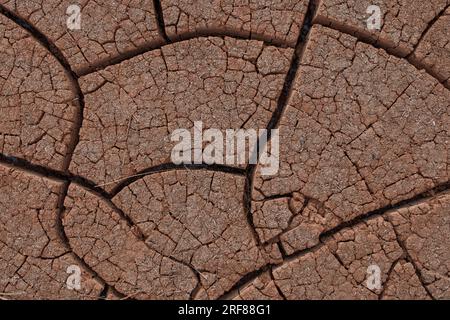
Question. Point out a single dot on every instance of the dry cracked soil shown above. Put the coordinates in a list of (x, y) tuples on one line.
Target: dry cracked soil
[(87, 181)]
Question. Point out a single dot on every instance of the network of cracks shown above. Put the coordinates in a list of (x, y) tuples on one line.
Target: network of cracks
[(86, 177)]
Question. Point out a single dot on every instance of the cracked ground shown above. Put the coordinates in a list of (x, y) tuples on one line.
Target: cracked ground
[(86, 177)]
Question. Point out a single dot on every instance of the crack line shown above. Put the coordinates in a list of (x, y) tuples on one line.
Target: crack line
[(158, 44), (62, 176), (409, 259), (282, 102), (165, 167), (78, 102), (427, 29), (367, 39), (63, 236), (160, 19), (424, 197), (71, 75)]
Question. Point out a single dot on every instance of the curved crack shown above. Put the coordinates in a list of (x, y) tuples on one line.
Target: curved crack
[(140, 235), (427, 29), (368, 39), (423, 197), (65, 240), (158, 44), (65, 176), (77, 124), (71, 75), (248, 278), (281, 106), (409, 259), (248, 172), (170, 167)]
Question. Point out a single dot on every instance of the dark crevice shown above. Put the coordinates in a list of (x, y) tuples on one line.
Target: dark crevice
[(158, 44), (47, 172), (428, 28), (38, 35), (141, 236), (39, 170), (160, 19), (282, 250), (388, 276), (292, 73), (75, 138), (223, 32), (409, 259), (35, 169), (197, 288), (251, 276), (247, 198), (78, 101), (246, 279), (281, 106), (278, 196), (104, 293), (65, 240), (170, 167), (104, 63), (425, 196), (280, 292), (420, 64), (386, 45)]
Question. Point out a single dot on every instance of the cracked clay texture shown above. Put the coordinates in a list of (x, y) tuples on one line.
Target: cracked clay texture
[(89, 191)]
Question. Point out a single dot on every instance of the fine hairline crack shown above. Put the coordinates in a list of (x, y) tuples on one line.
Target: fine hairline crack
[(367, 39), (78, 101), (249, 172), (281, 106), (74, 138), (159, 43), (421, 198), (409, 259), (427, 29), (66, 176), (63, 236)]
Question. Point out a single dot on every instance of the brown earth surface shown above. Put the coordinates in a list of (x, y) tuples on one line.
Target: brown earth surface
[(86, 177)]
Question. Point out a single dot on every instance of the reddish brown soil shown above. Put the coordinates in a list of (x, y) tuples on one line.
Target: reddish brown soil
[(86, 177)]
